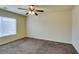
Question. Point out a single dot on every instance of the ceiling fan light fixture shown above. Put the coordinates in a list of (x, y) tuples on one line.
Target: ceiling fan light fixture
[(31, 7), (31, 12)]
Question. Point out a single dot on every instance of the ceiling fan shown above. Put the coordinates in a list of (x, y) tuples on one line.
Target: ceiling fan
[(32, 10)]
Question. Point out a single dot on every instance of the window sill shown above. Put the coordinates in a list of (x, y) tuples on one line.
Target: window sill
[(2, 36)]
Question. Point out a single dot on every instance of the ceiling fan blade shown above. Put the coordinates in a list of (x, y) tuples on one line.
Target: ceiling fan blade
[(36, 14), (22, 8), (27, 13), (40, 10)]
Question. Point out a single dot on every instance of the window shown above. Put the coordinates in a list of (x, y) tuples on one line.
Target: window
[(7, 26)]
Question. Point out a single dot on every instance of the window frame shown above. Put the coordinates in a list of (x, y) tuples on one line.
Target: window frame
[(16, 27)]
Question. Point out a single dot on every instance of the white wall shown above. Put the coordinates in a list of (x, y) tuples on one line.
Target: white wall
[(75, 27), (54, 26)]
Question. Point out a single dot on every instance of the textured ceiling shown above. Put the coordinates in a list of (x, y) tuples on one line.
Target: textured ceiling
[(47, 8)]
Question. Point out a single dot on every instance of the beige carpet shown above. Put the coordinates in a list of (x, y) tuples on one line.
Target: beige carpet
[(35, 46)]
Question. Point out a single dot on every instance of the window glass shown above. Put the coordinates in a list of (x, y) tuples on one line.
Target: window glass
[(7, 26)]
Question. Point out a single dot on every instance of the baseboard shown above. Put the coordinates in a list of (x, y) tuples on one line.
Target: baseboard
[(75, 48), (46, 40), (29, 38), (11, 41)]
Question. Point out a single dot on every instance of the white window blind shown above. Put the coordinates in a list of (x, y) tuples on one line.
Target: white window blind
[(7, 26)]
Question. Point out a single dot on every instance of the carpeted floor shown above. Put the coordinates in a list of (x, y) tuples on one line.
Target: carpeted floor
[(35, 46)]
